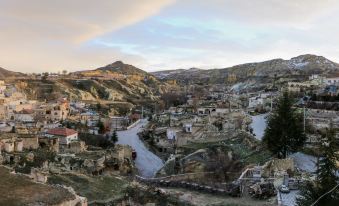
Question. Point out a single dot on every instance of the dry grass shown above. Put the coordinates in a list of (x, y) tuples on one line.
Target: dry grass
[(20, 190), (94, 188)]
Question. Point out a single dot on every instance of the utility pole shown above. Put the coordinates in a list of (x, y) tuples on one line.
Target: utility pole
[(271, 101), (142, 112), (304, 118)]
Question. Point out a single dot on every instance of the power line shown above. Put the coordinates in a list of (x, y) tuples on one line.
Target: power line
[(324, 195)]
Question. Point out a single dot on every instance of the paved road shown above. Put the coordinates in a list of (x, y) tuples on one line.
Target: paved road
[(259, 125), (146, 162)]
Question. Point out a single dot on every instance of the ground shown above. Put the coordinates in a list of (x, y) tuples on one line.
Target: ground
[(16, 190), (304, 162), (203, 199), (93, 188), (146, 162), (244, 153), (289, 199)]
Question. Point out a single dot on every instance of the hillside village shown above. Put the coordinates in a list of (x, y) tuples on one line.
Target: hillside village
[(118, 135)]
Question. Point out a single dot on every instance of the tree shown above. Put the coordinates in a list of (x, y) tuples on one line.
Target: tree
[(308, 194), (327, 163), (284, 133), (45, 75), (321, 191), (101, 127), (114, 136), (13, 130), (99, 106), (173, 99), (64, 72)]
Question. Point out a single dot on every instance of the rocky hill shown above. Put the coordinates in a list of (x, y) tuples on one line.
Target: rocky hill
[(117, 68), (302, 65), (120, 67), (4, 73), (116, 83)]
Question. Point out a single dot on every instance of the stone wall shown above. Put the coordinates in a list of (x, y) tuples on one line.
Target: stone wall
[(275, 166), (30, 142)]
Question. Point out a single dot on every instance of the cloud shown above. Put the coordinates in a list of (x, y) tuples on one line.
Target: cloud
[(40, 35), (219, 33), (47, 35), (260, 12)]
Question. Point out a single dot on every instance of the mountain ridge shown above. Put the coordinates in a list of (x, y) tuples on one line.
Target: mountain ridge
[(300, 65)]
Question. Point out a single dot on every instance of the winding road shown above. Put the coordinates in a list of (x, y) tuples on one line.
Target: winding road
[(146, 162), (259, 123)]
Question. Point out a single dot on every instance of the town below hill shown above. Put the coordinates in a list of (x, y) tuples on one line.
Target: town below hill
[(261, 133)]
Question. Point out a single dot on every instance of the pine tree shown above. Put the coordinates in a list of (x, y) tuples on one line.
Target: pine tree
[(327, 164), (308, 194), (114, 136), (284, 133), (101, 127), (13, 130), (326, 174)]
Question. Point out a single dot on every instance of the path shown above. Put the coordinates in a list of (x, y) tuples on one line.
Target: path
[(146, 162)]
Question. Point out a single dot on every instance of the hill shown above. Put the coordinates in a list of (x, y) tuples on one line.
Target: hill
[(115, 70), (122, 68), (4, 73), (114, 84), (301, 66)]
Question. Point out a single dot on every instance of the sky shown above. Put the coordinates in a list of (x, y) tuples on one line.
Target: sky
[(48, 35)]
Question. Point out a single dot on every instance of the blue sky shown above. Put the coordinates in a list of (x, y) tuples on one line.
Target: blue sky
[(51, 36)]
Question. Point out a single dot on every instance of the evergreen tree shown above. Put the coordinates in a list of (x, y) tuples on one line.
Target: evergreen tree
[(99, 107), (308, 194), (327, 164), (101, 127), (114, 136), (284, 133), (326, 174), (13, 130)]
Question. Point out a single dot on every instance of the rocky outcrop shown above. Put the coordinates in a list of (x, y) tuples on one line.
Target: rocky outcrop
[(77, 201), (278, 166), (216, 160)]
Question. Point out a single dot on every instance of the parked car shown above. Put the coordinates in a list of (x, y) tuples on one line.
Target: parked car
[(284, 189), (134, 154)]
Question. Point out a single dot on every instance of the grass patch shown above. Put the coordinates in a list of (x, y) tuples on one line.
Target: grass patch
[(94, 188), (18, 190), (244, 153)]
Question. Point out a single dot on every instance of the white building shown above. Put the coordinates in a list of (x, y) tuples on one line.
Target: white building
[(24, 116), (188, 127), (171, 134), (261, 99), (332, 80), (65, 135)]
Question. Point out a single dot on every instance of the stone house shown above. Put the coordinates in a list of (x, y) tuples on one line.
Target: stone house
[(299, 86), (89, 118), (74, 147), (30, 141), (332, 80), (25, 115), (52, 143), (11, 143), (65, 135)]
